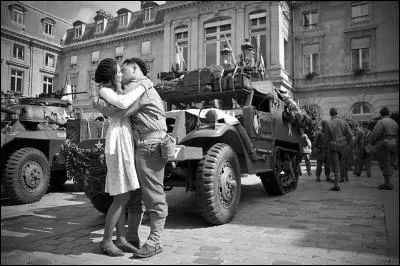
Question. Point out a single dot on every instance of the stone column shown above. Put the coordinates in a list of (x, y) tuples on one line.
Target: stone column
[(277, 56), (238, 29), (166, 60), (194, 44)]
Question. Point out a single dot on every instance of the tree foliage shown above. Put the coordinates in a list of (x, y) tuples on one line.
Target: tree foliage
[(351, 121), (311, 126)]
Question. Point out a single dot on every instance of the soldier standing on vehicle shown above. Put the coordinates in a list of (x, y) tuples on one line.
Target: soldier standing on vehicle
[(322, 152), (306, 152), (384, 137), (339, 136), (363, 157)]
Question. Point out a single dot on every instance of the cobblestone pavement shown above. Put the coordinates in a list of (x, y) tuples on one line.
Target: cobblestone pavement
[(311, 225)]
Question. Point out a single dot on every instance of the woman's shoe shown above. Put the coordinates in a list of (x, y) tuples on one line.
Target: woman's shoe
[(111, 250)]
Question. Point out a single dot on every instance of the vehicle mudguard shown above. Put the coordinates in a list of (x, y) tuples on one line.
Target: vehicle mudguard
[(206, 137)]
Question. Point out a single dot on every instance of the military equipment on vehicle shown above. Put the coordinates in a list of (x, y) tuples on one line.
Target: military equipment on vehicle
[(32, 130), (225, 127)]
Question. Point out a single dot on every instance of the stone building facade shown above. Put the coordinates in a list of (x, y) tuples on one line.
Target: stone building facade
[(30, 49), (355, 50), (331, 53)]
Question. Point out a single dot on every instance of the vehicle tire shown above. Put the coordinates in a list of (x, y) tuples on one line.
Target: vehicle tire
[(26, 176), (218, 184), (58, 178), (278, 183), (100, 200)]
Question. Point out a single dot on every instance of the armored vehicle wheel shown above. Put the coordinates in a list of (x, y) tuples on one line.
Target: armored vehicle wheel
[(284, 177), (101, 201), (58, 178), (26, 176), (218, 184)]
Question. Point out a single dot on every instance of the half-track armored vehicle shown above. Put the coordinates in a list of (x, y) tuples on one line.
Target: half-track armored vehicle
[(225, 128), (32, 130)]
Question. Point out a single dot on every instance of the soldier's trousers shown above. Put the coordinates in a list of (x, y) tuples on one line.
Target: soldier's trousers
[(337, 162), (306, 157), (327, 168), (385, 161), (150, 170), (363, 159)]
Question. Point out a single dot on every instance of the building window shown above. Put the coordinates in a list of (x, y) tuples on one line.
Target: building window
[(310, 20), (216, 36), (18, 51), (119, 53), (145, 48), (311, 59), (48, 28), (362, 111), (258, 34), (49, 60), (123, 20), (78, 31), (182, 40), (360, 53), (17, 80), (149, 14), (18, 16), (73, 90), (74, 60), (95, 57), (47, 84), (100, 26), (311, 63), (359, 12), (92, 84)]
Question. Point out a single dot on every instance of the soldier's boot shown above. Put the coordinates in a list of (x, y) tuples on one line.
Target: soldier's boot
[(318, 179), (152, 245), (134, 221), (387, 185), (336, 186)]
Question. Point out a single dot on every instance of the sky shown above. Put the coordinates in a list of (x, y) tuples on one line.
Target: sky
[(83, 10)]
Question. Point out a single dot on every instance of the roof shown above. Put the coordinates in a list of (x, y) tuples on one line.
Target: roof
[(136, 22)]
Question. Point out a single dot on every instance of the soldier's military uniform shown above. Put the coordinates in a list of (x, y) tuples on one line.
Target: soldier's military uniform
[(384, 138), (338, 128), (363, 158), (322, 152)]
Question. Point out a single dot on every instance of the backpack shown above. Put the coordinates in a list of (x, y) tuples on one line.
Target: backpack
[(364, 139)]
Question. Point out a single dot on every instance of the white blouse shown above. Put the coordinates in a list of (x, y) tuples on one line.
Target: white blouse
[(122, 101)]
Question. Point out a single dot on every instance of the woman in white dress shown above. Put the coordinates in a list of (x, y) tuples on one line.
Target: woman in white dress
[(119, 152)]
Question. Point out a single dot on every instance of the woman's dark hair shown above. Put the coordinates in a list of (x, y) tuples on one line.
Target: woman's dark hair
[(106, 72)]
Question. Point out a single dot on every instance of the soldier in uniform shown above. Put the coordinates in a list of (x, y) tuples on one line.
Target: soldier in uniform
[(322, 153), (340, 136), (384, 138), (363, 158)]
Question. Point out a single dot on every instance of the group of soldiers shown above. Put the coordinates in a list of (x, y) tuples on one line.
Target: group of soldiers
[(335, 144)]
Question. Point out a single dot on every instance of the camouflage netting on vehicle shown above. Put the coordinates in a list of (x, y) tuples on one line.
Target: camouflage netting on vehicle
[(84, 165)]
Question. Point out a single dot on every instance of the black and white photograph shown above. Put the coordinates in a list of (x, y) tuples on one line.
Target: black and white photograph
[(200, 132)]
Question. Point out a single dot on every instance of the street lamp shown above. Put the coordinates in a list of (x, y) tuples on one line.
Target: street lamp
[(248, 54), (226, 55)]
